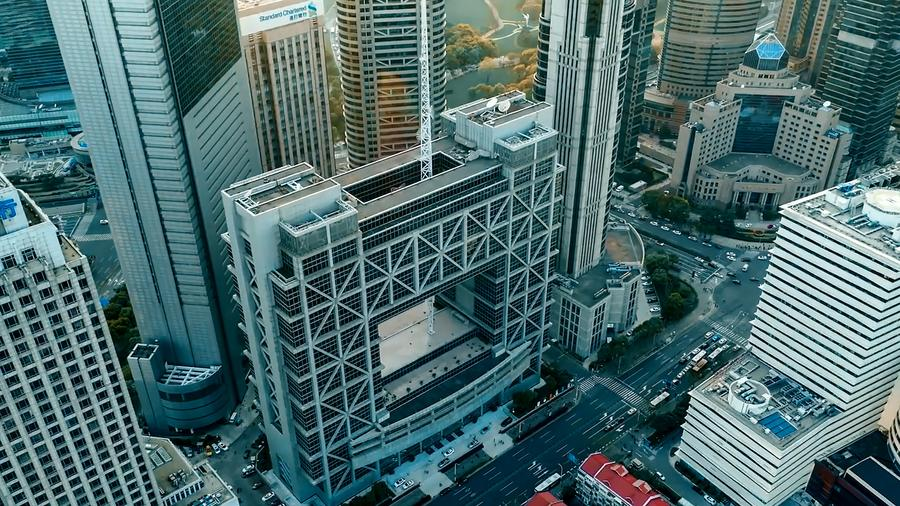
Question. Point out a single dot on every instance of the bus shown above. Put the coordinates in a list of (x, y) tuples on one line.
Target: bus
[(659, 399), (698, 357), (712, 356), (549, 483)]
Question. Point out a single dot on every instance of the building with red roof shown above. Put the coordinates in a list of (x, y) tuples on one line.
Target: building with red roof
[(544, 499), (602, 482)]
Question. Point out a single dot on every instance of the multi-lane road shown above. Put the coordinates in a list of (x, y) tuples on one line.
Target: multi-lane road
[(511, 477)]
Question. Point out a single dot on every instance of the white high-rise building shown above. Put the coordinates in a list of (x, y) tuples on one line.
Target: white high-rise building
[(162, 92), (69, 435), (825, 344)]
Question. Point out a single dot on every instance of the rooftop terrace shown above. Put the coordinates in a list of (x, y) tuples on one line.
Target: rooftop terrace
[(866, 210), (733, 163), (769, 403)]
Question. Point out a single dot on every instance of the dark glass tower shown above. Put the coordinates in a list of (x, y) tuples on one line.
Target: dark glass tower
[(28, 46), (638, 46), (863, 75)]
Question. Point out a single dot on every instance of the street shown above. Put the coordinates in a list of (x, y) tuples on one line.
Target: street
[(511, 477)]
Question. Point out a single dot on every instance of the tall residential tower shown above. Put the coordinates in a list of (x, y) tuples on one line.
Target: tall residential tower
[(804, 27), (284, 46), (379, 46), (69, 432), (164, 101)]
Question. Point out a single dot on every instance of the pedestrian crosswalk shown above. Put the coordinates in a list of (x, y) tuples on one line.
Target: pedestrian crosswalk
[(728, 332), (617, 387), (92, 237)]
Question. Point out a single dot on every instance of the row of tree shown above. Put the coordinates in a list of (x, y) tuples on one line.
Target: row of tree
[(467, 46)]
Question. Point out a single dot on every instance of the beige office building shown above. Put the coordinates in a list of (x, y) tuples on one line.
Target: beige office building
[(284, 46), (804, 26), (762, 139)]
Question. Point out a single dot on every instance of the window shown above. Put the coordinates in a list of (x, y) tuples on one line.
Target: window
[(9, 261)]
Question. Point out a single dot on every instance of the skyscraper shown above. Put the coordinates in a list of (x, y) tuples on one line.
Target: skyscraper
[(824, 347), (704, 40), (69, 432), (28, 47), (804, 27), (379, 46), (163, 95), (582, 64), (638, 42), (333, 276), (284, 47), (862, 74)]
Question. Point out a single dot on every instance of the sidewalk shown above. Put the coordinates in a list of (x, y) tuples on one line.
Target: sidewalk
[(728, 242)]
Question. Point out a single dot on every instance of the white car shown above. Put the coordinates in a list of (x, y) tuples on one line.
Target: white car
[(665, 228), (654, 223), (632, 411), (632, 215), (692, 237), (104, 222), (709, 334), (448, 452), (709, 499), (398, 482), (216, 448), (223, 446), (407, 484), (654, 309), (660, 476), (676, 232), (762, 257), (268, 497)]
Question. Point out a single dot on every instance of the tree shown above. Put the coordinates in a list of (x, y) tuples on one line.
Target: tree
[(667, 205), (673, 307), (523, 401), (467, 46), (660, 280), (655, 261)]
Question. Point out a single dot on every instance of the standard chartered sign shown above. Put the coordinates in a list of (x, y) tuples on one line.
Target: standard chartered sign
[(274, 18)]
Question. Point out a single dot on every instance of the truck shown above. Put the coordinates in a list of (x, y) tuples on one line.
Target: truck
[(700, 365), (698, 357), (659, 399)]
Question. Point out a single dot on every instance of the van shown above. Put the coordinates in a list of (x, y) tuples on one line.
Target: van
[(233, 419), (745, 267)]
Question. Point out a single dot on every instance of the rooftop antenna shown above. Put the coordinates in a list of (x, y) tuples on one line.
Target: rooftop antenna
[(425, 115)]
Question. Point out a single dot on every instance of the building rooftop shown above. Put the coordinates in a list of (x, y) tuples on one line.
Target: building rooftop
[(767, 53), (872, 445), (878, 479), (173, 472), (407, 339), (615, 477), (769, 403), (866, 210), (509, 121), (734, 163), (544, 499)]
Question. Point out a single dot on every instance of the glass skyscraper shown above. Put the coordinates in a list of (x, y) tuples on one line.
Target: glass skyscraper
[(162, 90), (28, 48), (862, 75)]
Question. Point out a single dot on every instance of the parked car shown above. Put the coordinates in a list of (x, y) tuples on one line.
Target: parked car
[(473, 443), (268, 496), (223, 446), (709, 334), (632, 411), (736, 281), (692, 237), (398, 482), (104, 222), (256, 485), (654, 223), (660, 476), (448, 452), (709, 499), (665, 228), (676, 232), (443, 462), (216, 448), (654, 309)]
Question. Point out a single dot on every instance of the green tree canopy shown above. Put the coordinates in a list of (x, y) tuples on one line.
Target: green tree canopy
[(467, 46)]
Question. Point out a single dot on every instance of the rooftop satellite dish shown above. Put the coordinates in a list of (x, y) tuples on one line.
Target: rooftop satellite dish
[(491, 103), (503, 106)]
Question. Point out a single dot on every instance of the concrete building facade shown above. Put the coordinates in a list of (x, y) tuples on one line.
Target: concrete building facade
[(379, 51), (69, 431), (805, 26), (762, 139), (333, 275), (704, 40), (824, 347), (162, 92), (638, 45), (285, 57), (862, 74)]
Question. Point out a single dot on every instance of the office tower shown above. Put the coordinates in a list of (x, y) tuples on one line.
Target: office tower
[(637, 44), (762, 139), (862, 74), (704, 40), (379, 46), (804, 26), (284, 47), (824, 347), (69, 433), (334, 276), (162, 91), (581, 71), (29, 54), (861, 473)]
